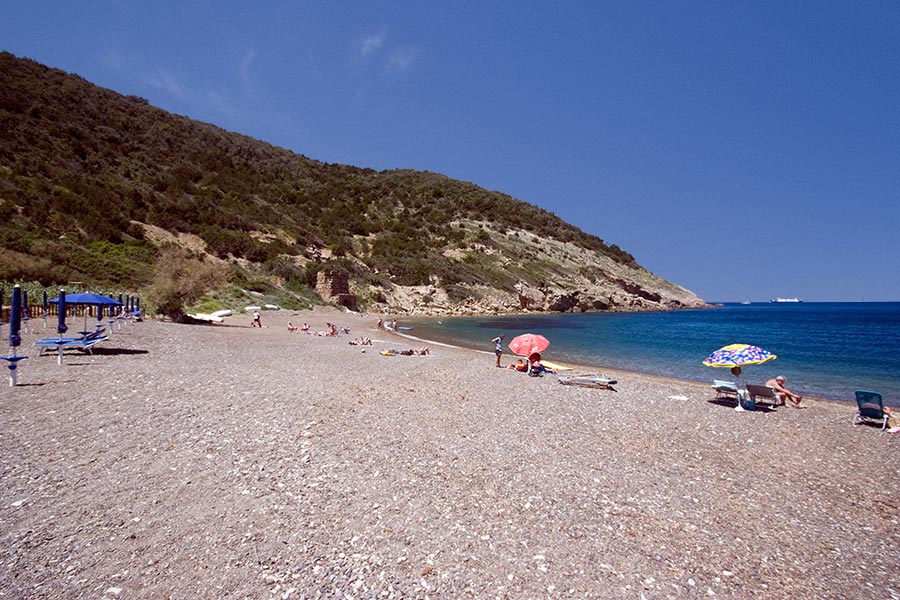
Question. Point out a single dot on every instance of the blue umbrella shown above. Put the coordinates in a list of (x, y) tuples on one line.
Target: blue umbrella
[(87, 298), (15, 323), (15, 318), (61, 313)]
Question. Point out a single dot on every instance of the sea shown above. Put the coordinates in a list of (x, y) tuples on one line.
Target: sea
[(824, 349)]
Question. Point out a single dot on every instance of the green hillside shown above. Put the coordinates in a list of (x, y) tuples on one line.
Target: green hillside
[(93, 184)]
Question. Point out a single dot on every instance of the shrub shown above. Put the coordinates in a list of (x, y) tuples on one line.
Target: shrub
[(180, 279)]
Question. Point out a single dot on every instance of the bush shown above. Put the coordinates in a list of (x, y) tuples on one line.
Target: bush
[(181, 279)]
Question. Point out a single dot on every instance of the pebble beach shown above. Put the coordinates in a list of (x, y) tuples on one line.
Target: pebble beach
[(224, 461)]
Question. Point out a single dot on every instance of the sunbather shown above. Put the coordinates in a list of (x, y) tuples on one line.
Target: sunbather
[(782, 392), (291, 327)]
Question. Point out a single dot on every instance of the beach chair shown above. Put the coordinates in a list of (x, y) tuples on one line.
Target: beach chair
[(763, 392), (871, 409), (83, 344), (725, 389)]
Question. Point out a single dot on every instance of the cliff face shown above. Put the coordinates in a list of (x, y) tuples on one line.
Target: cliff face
[(93, 184), (577, 280)]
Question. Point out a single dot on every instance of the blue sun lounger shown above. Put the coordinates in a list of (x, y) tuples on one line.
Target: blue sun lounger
[(84, 344), (871, 408)]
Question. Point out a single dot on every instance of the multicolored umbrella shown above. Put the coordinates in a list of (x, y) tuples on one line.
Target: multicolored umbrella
[(528, 343), (738, 355)]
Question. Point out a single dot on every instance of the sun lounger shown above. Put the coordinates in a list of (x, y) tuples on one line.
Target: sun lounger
[(763, 392), (871, 408), (591, 380), (55, 344), (725, 388)]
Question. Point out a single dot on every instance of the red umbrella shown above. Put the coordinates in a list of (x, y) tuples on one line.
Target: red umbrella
[(528, 343)]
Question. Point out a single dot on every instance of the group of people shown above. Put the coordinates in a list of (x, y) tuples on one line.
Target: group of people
[(533, 366)]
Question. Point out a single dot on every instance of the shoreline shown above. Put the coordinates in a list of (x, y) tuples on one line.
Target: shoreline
[(582, 367), (264, 463)]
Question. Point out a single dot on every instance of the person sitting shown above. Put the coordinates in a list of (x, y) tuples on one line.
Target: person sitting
[(782, 392), (291, 327), (305, 328), (535, 367), (331, 329)]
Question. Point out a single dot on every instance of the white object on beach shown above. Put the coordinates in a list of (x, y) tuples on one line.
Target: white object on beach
[(206, 317), (252, 308), (221, 313), (271, 307)]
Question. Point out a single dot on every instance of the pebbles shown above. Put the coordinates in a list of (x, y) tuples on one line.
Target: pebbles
[(256, 463)]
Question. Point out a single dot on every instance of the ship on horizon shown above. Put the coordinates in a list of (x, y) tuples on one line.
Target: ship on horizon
[(780, 300)]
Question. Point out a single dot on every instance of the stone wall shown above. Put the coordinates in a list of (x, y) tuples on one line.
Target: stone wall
[(334, 286)]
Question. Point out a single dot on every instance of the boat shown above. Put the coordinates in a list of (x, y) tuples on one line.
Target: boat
[(786, 300)]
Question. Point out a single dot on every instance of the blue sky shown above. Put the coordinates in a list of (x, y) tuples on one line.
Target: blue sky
[(744, 150)]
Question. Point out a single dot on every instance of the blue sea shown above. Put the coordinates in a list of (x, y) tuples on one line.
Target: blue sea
[(825, 349)]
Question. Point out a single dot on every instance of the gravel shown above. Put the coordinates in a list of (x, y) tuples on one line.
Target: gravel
[(233, 462)]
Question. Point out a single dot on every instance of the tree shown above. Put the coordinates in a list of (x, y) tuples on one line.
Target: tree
[(180, 279)]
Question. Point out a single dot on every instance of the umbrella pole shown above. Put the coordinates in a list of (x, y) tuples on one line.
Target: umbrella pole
[(59, 354)]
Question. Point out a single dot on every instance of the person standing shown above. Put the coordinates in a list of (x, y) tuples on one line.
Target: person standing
[(498, 346)]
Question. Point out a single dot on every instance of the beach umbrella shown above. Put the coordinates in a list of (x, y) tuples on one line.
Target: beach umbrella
[(45, 307), (15, 318), (25, 317), (15, 324), (528, 343), (61, 313), (87, 298), (738, 355)]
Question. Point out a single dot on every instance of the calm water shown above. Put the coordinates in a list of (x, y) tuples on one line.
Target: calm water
[(824, 349)]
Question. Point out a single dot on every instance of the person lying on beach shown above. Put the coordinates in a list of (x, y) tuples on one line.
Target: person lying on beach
[(782, 392), (424, 351), (363, 341), (519, 366), (291, 327)]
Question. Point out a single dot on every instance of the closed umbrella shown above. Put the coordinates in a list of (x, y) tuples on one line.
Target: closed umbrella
[(45, 306), (61, 313), (15, 324), (15, 318), (61, 328)]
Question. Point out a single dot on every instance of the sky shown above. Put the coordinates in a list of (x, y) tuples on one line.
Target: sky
[(744, 150)]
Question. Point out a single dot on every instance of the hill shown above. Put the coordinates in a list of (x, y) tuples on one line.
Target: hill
[(98, 187)]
